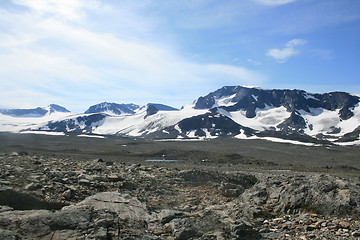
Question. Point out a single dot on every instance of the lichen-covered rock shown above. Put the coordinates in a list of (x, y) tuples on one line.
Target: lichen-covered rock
[(323, 194)]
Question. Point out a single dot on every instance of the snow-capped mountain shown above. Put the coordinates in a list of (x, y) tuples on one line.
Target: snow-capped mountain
[(113, 108), (153, 108), (34, 112), (235, 111), (286, 113), (16, 120), (149, 118)]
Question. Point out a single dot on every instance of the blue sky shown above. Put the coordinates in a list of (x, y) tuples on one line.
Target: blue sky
[(77, 53)]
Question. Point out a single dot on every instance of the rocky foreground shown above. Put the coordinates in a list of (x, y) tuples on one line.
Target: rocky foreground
[(53, 198)]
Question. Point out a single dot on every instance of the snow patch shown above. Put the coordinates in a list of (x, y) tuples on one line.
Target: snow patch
[(241, 135), (17, 124), (269, 117), (180, 139), (90, 136), (273, 139), (44, 133), (309, 96), (357, 142), (137, 124), (323, 121), (225, 101)]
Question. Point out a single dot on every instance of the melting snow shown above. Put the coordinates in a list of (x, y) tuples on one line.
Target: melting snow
[(135, 125), (90, 136), (44, 133), (308, 96), (357, 142), (225, 101), (323, 121), (273, 139), (265, 118), (16, 124)]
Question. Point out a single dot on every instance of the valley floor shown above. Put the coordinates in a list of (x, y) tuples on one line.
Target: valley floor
[(222, 153), (67, 187)]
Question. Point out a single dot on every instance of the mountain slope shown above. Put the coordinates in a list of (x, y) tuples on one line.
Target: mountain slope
[(235, 98), (113, 108), (35, 112), (145, 120), (232, 111), (327, 115), (153, 108)]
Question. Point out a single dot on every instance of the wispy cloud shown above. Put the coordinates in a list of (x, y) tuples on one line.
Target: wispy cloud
[(282, 55), (51, 49), (237, 74), (321, 53), (254, 62), (274, 2), (73, 10)]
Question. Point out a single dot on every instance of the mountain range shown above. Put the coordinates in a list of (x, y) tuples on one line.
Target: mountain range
[(232, 111), (35, 112)]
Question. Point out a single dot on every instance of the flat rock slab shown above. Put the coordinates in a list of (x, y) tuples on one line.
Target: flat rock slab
[(121, 204), (109, 214)]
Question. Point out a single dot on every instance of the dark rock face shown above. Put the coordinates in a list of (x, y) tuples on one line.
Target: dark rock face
[(162, 107), (352, 136), (295, 123), (78, 125), (249, 99), (206, 102), (113, 107), (215, 123), (151, 110)]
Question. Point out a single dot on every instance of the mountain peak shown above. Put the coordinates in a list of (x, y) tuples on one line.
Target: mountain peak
[(153, 108), (162, 107), (56, 108), (34, 112), (113, 108)]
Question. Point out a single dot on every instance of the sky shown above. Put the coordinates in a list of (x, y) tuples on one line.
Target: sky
[(77, 53)]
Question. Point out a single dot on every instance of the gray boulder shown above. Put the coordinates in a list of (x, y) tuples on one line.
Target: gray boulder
[(104, 215)]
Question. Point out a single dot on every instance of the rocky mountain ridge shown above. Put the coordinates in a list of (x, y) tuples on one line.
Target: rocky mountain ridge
[(233, 111), (35, 112), (113, 108), (250, 99)]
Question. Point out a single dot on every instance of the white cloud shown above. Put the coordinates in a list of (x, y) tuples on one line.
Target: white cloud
[(295, 42), (254, 62), (236, 74), (282, 55), (324, 54), (274, 2), (65, 9), (45, 54)]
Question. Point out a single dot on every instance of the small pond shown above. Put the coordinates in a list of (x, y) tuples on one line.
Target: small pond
[(162, 160)]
